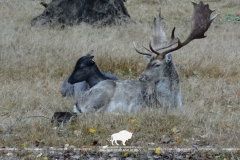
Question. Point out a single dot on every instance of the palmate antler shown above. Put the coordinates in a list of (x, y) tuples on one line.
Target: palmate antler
[(159, 37), (200, 23)]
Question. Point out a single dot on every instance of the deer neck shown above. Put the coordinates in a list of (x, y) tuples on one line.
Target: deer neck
[(96, 77), (168, 88)]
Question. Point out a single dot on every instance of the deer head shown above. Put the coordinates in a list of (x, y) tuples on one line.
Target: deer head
[(160, 59), (83, 68)]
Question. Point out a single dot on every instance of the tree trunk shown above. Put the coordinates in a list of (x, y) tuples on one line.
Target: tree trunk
[(69, 12)]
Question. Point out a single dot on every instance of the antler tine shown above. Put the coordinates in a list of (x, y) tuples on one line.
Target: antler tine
[(200, 23), (143, 53), (146, 48), (171, 43), (151, 48), (159, 37)]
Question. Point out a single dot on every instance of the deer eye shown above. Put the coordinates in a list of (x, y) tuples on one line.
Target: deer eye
[(156, 65)]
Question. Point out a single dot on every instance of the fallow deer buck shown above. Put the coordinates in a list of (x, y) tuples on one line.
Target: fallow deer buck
[(158, 85)]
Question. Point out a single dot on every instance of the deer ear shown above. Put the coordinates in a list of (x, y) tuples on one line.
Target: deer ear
[(148, 58), (90, 53), (168, 58)]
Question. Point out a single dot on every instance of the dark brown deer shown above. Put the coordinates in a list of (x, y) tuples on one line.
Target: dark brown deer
[(158, 85)]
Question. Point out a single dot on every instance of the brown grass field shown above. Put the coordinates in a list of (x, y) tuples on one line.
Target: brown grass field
[(34, 61)]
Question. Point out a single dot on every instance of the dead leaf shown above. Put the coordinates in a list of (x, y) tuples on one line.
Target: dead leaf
[(158, 150), (171, 117), (133, 120), (178, 140), (39, 155), (92, 130), (174, 129), (23, 145)]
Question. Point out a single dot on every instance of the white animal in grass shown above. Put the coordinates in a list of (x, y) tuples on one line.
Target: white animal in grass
[(121, 136)]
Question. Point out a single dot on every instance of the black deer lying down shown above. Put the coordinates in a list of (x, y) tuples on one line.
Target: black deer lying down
[(75, 89), (132, 95), (88, 73), (87, 70)]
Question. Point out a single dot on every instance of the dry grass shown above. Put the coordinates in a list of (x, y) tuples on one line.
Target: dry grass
[(35, 61)]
